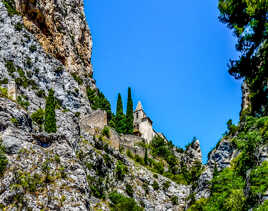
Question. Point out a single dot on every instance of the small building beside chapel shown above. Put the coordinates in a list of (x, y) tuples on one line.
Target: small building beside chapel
[(143, 125)]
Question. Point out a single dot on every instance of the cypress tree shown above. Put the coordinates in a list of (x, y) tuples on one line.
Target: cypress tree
[(119, 105), (120, 122), (146, 156), (129, 114), (50, 116)]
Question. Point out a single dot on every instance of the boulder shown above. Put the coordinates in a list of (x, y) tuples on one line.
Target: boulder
[(12, 140)]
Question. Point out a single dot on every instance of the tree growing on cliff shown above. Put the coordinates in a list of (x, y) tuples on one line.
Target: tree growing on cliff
[(248, 20), (120, 118), (129, 114), (99, 101), (50, 116)]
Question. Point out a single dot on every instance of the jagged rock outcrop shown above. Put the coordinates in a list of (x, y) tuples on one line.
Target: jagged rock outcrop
[(222, 155), (219, 158), (192, 154), (245, 97)]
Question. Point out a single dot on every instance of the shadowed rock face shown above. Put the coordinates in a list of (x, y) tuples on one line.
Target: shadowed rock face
[(60, 26)]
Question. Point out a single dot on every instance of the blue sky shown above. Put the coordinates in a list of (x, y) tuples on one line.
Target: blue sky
[(174, 55)]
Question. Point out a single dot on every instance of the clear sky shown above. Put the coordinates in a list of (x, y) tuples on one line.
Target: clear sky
[(174, 55)]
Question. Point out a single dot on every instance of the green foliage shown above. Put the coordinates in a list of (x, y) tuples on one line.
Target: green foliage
[(166, 185), (77, 78), (3, 92), (96, 186), (129, 190), (22, 80), (98, 101), (38, 116), (252, 134), (41, 93), (145, 187), (179, 150), (248, 20), (50, 116), (120, 118), (57, 159), (263, 207), (29, 63), (77, 114), (3, 161), (146, 162), (33, 48), (141, 144), (258, 182), (160, 148), (14, 121), (155, 185), (120, 202), (232, 129), (130, 154), (22, 100), (159, 167), (198, 205), (191, 175), (121, 170), (155, 176), (4, 81), (139, 159), (178, 178), (129, 114), (97, 192), (174, 200), (27, 182), (10, 67), (227, 193), (228, 186), (106, 132), (11, 7), (18, 26)]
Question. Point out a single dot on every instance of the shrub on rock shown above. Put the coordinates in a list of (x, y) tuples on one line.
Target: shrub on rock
[(50, 116)]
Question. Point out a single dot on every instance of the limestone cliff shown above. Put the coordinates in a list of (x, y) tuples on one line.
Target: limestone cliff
[(42, 44), (61, 29), (46, 45)]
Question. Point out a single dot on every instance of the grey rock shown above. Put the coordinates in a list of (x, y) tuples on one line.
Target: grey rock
[(222, 156), (12, 140)]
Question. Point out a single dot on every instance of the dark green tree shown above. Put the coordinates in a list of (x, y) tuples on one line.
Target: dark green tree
[(129, 114), (50, 116), (120, 119), (248, 20), (99, 101), (119, 105), (146, 156)]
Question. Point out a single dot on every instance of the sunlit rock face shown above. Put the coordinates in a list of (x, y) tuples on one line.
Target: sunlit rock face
[(60, 27)]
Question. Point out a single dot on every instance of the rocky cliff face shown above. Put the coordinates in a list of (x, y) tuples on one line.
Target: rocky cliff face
[(45, 46), (61, 29)]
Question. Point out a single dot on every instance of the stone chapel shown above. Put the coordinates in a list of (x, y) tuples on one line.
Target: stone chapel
[(143, 125)]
